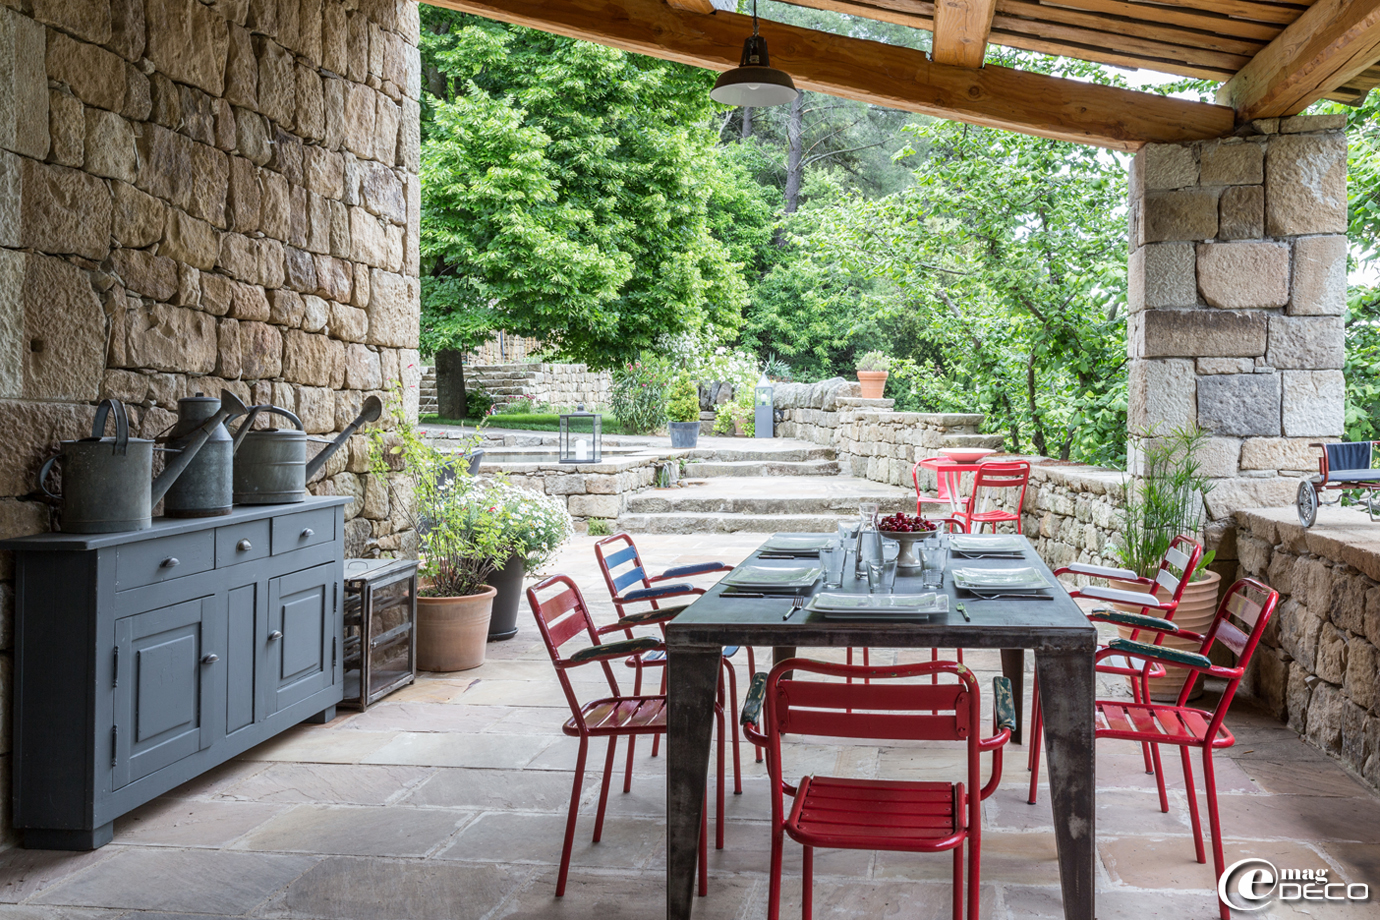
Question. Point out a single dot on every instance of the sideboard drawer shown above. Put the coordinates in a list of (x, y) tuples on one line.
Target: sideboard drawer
[(150, 562), (242, 542), (306, 528)]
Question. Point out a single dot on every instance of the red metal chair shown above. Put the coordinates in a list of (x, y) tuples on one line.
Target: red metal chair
[(561, 617), (869, 814), (1180, 561), (1006, 475), (1241, 619), (622, 566)]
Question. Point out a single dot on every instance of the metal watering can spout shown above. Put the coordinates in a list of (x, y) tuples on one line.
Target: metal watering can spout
[(230, 407), (373, 408)]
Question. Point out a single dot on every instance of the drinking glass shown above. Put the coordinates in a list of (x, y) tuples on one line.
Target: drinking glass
[(881, 567), (934, 558), (832, 557)]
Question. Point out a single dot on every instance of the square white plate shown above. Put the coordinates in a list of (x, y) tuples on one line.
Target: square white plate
[(979, 544), (879, 603), (779, 578), (810, 543), (1015, 579)]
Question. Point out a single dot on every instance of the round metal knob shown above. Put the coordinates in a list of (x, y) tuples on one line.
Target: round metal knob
[(169, 562), (308, 533), (275, 635), (244, 546), (211, 658)]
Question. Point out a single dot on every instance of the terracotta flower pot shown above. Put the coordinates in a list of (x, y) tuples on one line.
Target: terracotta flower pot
[(452, 631), (1196, 610), (873, 383)]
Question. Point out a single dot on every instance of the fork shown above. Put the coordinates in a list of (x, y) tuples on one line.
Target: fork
[(796, 603)]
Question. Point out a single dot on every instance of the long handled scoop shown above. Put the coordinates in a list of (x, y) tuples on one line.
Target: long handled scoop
[(373, 408)]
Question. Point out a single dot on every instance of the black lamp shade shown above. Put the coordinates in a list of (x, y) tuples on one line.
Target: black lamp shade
[(754, 82)]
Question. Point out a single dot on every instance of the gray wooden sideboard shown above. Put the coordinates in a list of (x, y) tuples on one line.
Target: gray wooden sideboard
[(145, 658)]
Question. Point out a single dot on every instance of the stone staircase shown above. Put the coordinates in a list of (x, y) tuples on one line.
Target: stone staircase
[(733, 490), (426, 392), (504, 382)]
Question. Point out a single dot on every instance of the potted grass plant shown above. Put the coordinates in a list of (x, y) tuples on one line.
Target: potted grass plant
[(683, 412), (873, 369), (1168, 499)]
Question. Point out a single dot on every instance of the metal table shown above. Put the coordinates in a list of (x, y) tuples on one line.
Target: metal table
[(1059, 633)]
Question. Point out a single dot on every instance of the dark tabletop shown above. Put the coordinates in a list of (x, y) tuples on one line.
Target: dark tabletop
[(1001, 623)]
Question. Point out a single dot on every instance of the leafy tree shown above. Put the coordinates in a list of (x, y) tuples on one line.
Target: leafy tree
[(566, 193)]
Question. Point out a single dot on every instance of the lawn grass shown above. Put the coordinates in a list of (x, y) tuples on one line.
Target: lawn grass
[(525, 421)]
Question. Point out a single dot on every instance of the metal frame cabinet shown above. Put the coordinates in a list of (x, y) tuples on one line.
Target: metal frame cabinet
[(144, 659)]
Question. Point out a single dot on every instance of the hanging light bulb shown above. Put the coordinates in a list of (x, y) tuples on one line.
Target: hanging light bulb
[(754, 82)]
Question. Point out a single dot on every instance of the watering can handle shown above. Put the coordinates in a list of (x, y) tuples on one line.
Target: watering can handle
[(121, 424), (43, 472), (248, 422)]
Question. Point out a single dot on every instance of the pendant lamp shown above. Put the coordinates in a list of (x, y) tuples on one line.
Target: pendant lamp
[(754, 82)]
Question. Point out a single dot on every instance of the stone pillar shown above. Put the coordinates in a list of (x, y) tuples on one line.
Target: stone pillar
[(1237, 283)]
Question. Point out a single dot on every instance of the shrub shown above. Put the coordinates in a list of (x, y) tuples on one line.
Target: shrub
[(874, 361), (478, 402), (683, 400), (638, 396), (598, 527)]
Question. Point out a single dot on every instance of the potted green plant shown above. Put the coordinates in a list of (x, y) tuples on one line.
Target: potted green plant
[(536, 525), (683, 412), (872, 370), (1168, 499)]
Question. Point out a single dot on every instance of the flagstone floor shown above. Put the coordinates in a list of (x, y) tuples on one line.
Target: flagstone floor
[(447, 801)]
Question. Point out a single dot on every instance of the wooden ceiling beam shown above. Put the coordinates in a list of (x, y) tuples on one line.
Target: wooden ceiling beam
[(1333, 42), (960, 31), (876, 73)]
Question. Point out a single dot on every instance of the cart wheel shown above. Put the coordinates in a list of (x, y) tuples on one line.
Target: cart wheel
[(1307, 503)]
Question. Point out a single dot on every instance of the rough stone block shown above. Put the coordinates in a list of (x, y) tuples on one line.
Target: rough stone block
[(1242, 213), (316, 409), (1161, 275), (277, 81), (1240, 276), (274, 209), (1160, 392), (262, 347), (1319, 276), (362, 370), (316, 313), (1314, 405), (386, 122), (138, 93), (64, 211), (595, 506), (1363, 673), (170, 338), (241, 69), (95, 75), (1305, 184), (1208, 366), (285, 308), (334, 277), (1240, 404), (349, 324), (189, 240), (12, 344), (1326, 708), (307, 358), (244, 198), (251, 138), (393, 310), (1166, 166), (1231, 161), (145, 273), (110, 148), (63, 331), (229, 353), (198, 115), (381, 192), (217, 294), (1279, 453), (1306, 342), (66, 129), (360, 110), (189, 42), (1193, 333), (1187, 214), (34, 432), (23, 85), (310, 116), (325, 172)]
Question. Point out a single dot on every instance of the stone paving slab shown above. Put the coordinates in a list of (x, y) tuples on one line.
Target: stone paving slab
[(343, 888)]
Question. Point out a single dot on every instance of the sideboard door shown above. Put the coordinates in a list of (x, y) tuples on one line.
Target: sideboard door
[(301, 636), (166, 687)]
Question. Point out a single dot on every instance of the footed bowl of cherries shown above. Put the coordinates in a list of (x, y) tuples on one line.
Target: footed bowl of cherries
[(907, 530)]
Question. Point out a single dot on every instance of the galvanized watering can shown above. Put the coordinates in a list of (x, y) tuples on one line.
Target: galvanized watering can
[(108, 484), (204, 488), (271, 464)]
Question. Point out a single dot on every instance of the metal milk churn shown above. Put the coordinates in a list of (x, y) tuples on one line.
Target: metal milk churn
[(108, 484), (204, 488)]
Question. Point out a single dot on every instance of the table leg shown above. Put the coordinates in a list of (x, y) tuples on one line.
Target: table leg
[(781, 652), (1013, 669), (1066, 699), (692, 680)]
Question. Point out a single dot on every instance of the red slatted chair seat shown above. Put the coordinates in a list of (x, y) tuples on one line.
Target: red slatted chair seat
[(1160, 724), (624, 715), (914, 817)]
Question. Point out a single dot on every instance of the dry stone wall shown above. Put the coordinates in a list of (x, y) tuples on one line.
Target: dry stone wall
[(1237, 284), (560, 385), (204, 195), (1318, 667)]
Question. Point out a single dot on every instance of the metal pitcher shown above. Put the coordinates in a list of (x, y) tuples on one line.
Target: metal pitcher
[(108, 484), (271, 464), (204, 488)]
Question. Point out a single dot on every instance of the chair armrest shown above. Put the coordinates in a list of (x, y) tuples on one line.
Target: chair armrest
[(1003, 705), (752, 708), (688, 571), (1117, 596), (649, 594), (1134, 620), (606, 650), (1161, 653), (1101, 571)]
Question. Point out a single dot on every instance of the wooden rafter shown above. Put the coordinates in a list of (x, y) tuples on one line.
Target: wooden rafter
[(960, 31), (1333, 42), (877, 73)]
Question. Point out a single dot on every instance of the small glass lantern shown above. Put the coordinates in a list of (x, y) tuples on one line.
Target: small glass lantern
[(380, 629), (763, 418), (581, 436)]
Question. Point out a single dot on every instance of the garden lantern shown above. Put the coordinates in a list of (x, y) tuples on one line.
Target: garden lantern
[(380, 628), (763, 419), (581, 436)]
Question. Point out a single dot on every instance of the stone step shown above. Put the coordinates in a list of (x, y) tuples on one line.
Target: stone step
[(762, 501), (760, 455), (773, 467), (857, 402), (732, 523)]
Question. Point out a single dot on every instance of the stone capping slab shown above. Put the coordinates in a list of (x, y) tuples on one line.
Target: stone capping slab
[(607, 467), (1342, 535)]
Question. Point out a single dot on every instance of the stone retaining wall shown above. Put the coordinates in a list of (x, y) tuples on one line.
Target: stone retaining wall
[(1318, 667), (196, 196), (559, 385)]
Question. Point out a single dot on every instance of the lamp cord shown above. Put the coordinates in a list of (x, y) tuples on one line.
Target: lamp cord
[(754, 18)]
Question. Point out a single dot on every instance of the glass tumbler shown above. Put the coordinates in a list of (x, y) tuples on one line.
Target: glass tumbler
[(831, 557), (881, 568), (934, 558)]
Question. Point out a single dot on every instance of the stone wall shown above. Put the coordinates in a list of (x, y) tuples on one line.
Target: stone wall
[(563, 386), (1237, 283), (505, 349), (1318, 667), (196, 196)]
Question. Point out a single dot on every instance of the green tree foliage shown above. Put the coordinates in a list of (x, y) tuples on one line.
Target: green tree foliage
[(566, 194)]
